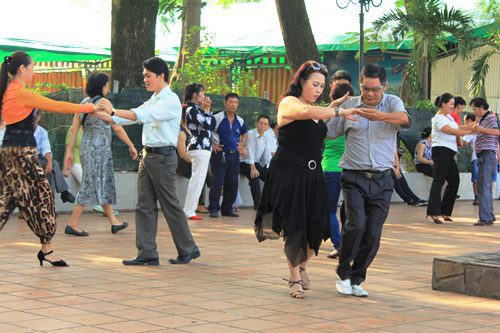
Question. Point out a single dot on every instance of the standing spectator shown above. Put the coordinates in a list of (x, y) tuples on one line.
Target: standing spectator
[(184, 164), (229, 135), (76, 169), (200, 122), (423, 153), (445, 131), (98, 172), (340, 77), (332, 153), (459, 107), (261, 147), (486, 147), (294, 203), (160, 116), (366, 180), (470, 139), (52, 169)]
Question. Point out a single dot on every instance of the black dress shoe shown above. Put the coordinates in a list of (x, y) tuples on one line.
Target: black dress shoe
[(116, 228), (186, 258), (70, 231), (213, 214), (231, 214), (67, 197), (142, 262)]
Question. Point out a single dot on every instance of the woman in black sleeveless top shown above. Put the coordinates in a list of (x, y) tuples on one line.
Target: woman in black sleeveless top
[(294, 203)]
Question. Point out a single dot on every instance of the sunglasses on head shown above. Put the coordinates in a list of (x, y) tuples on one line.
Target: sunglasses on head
[(318, 67)]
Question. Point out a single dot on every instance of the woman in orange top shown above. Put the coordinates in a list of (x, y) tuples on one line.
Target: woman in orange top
[(23, 181)]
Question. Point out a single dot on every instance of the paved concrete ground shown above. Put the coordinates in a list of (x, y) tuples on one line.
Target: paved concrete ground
[(236, 285)]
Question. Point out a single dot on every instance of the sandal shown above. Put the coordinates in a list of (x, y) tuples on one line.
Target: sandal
[(296, 289), (306, 283)]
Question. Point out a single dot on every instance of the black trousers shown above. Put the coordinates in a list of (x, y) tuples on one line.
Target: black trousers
[(445, 169), (367, 204), (254, 182), (426, 169), (403, 189)]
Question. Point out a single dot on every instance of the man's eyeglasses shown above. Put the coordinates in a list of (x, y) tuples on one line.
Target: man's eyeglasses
[(318, 67), (375, 89)]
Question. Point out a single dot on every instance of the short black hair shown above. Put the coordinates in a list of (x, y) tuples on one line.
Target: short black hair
[(231, 95), (374, 72), (157, 66), (479, 102), (340, 90), (264, 116), (273, 125), (96, 82), (470, 116), (459, 101), (342, 75)]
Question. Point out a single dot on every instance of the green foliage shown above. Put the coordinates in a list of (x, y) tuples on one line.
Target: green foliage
[(40, 86), (480, 68), (206, 66), (425, 104), (489, 10), (372, 41), (169, 11), (227, 3)]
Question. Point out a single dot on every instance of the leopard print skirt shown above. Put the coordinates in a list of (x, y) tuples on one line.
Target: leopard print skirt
[(23, 185)]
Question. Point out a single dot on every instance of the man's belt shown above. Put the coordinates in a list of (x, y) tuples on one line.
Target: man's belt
[(372, 174), (165, 150), (229, 151)]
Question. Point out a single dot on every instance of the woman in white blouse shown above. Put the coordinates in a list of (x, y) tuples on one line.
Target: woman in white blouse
[(444, 148)]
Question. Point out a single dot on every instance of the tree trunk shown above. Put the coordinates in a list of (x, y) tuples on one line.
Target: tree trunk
[(133, 25), (297, 33), (425, 78), (190, 38)]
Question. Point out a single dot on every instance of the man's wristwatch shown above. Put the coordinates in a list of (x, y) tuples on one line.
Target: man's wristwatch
[(113, 112), (337, 111)]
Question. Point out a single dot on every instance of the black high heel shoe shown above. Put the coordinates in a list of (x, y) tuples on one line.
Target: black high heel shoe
[(41, 258)]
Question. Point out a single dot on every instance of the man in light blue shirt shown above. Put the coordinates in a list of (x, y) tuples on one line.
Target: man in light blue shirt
[(366, 180), (161, 118), (52, 169)]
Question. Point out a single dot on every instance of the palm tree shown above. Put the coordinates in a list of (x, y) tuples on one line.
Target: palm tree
[(428, 22), (480, 67)]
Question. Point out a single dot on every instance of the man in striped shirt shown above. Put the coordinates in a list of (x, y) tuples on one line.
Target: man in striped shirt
[(486, 148)]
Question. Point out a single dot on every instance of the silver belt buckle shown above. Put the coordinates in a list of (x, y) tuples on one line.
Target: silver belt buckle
[(368, 175), (312, 165)]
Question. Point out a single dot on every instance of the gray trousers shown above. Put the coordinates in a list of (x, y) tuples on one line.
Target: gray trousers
[(367, 204), (56, 179), (156, 182), (487, 163)]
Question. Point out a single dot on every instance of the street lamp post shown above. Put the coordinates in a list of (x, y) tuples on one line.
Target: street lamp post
[(364, 6)]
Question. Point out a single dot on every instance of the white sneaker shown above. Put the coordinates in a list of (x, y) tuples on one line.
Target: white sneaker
[(343, 286), (358, 291)]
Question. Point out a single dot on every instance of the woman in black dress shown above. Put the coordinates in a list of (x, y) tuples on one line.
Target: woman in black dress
[(294, 202)]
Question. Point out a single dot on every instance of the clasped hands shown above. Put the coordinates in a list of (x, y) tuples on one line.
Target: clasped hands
[(103, 110), (350, 114)]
